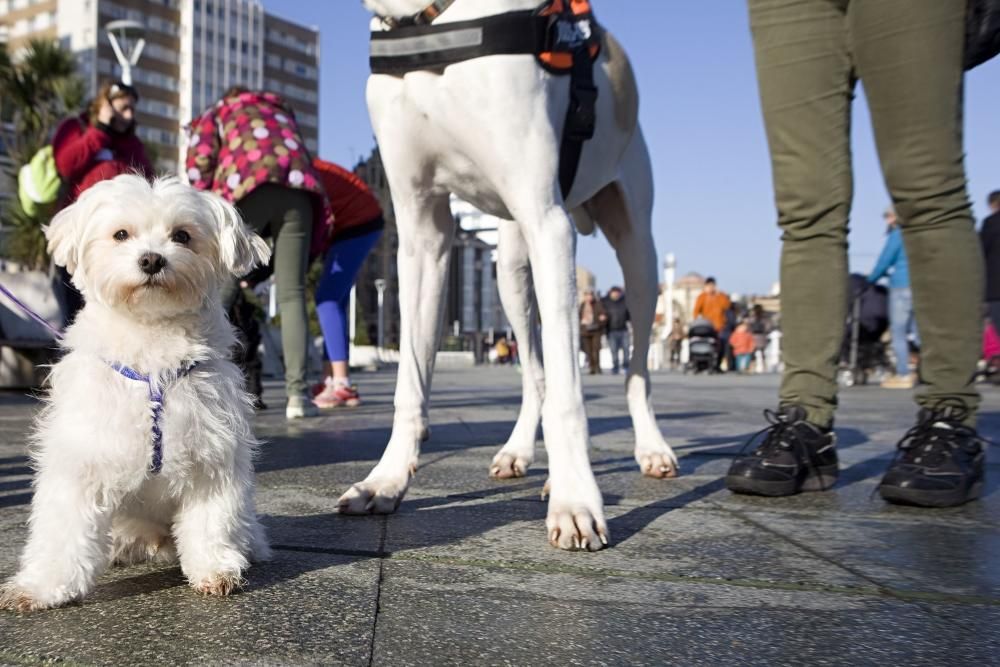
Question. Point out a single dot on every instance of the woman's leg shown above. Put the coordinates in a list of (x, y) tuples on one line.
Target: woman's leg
[(292, 233), (341, 266)]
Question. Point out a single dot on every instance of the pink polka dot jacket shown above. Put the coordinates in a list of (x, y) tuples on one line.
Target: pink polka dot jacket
[(250, 139)]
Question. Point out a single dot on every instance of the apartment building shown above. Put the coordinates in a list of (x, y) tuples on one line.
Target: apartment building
[(195, 50)]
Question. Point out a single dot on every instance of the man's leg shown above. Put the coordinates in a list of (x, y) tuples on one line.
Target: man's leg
[(804, 71), (805, 75), (909, 58)]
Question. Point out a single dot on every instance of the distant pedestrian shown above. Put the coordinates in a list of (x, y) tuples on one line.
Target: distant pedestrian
[(759, 328), (618, 323), (902, 322), (908, 55), (593, 321), (715, 306), (247, 148), (676, 340), (96, 146), (989, 235), (742, 343)]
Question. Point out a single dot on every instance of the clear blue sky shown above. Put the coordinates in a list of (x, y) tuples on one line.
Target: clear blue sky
[(701, 116)]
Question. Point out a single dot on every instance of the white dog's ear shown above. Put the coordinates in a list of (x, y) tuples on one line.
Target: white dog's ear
[(240, 250), (63, 234)]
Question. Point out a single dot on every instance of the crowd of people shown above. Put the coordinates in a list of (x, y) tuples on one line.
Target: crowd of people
[(248, 149)]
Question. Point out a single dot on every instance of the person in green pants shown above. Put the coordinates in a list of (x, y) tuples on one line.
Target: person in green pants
[(248, 149), (908, 56)]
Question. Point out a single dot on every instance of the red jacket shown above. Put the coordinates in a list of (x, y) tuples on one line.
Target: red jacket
[(355, 208), (85, 155)]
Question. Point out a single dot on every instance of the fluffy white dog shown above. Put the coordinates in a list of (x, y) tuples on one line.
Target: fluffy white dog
[(489, 130), (144, 448)]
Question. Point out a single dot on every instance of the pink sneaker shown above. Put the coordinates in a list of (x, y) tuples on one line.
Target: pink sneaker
[(335, 395)]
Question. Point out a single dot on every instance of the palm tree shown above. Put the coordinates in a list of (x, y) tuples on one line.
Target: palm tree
[(40, 89)]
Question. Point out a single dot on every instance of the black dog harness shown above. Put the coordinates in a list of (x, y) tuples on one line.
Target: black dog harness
[(561, 34)]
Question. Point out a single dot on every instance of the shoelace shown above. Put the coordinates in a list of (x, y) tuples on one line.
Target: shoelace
[(937, 433), (781, 434)]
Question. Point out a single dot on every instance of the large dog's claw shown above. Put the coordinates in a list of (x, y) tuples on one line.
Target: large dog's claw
[(576, 520), (508, 466), (219, 584), (660, 464), (376, 496)]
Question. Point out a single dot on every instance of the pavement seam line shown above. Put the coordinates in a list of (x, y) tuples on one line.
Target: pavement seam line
[(378, 590), (884, 589)]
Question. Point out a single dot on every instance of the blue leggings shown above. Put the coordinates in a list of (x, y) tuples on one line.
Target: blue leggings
[(333, 294)]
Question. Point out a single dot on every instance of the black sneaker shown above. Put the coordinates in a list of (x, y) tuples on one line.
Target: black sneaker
[(940, 462), (794, 455)]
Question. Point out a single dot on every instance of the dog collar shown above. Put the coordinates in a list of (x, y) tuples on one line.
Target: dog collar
[(156, 390), (427, 15)]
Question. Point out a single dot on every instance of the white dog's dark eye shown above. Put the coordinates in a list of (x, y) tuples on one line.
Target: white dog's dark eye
[(180, 236), (121, 235)]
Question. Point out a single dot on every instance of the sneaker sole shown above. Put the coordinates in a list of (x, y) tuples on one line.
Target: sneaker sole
[(922, 498), (825, 479)]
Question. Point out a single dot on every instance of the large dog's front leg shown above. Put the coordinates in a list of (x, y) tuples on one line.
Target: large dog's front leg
[(516, 288), (425, 234), (576, 513), (69, 544)]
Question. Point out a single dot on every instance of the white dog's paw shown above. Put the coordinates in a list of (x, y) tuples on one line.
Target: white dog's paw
[(509, 465), (577, 524), (375, 495), (161, 550), (659, 462), (219, 584), (17, 598)]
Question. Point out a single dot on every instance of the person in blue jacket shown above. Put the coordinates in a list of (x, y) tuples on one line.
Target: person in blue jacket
[(892, 262)]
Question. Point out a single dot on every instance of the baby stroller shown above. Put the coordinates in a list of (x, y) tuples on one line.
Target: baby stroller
[(703, 347), (863, 353)]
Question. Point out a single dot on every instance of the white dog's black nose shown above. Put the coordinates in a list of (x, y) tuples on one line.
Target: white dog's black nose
[(152, 263)]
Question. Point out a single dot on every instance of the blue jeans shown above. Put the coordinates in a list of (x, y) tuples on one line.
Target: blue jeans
[(618, 342), (333, 294), (901, 325)]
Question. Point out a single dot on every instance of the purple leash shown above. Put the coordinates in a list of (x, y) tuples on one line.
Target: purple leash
[(30, 313)]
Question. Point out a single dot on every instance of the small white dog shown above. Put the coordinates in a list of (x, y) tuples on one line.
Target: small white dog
[(489, 130), (144, 448)]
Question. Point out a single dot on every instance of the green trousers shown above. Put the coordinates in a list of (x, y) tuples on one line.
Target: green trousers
[(908, 56), (285, 215)]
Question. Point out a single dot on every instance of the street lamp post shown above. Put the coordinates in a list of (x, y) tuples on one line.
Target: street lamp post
[(380, 288), (127, 41)]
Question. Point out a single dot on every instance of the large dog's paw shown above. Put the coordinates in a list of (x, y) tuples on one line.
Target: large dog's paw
[(576, 520), (509, 465), (375, 495), (659, 462), (220, 584)]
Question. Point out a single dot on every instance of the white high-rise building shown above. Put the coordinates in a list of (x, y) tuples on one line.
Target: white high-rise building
[(195, 50)]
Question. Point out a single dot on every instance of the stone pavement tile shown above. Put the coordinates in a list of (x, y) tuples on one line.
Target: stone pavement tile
[(657, 541), (928, 553), (301, 518), (298, 609), (451, 613)]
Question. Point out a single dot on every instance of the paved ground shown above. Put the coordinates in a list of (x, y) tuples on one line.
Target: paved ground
[(462, 573)]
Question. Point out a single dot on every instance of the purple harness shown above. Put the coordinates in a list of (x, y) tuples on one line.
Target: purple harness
[(155, 394), (156, 398)]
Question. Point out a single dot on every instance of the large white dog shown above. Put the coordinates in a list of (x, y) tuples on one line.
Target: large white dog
[(143, 450), (489, 130)]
